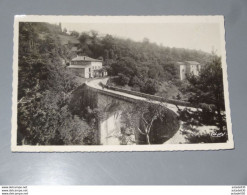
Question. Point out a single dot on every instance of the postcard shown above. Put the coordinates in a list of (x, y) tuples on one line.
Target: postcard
[(120, 83)]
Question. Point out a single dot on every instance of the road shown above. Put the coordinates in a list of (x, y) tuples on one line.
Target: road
[(96, 84)]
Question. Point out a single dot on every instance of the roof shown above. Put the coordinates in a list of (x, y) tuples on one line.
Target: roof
[(188, 63), (86, 59), (192, 62), (180, 63)]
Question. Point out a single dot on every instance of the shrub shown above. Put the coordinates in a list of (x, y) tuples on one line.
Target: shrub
[(151, 87), (136, 82), (123, 80)]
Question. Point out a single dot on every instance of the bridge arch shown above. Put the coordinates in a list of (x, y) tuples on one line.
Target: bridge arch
[(112, 126)]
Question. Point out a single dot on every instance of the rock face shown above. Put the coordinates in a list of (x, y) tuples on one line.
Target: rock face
[(117, 121)]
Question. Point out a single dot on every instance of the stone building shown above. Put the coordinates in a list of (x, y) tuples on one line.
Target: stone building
[(87, 67), (188, 67)]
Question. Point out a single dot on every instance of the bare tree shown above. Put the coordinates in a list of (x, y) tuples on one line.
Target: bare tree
[(146, 112)]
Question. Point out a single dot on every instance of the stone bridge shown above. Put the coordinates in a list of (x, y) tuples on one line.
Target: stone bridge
[(131, 96), (113, 102)]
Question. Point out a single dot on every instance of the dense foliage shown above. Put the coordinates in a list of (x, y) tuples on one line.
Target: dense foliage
[(44, 89), (137, 62), (208, 86), (207, 91)]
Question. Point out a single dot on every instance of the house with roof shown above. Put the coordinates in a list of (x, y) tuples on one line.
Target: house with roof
[(188, 67), (87, 67)]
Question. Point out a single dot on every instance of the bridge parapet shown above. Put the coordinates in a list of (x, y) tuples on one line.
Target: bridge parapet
[(151, 97), (114, 102), (114, 95)]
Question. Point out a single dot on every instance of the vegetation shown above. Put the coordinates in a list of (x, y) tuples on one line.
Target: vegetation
[(149, 68), (47, 115), (44, 90), (140, 65), (152, 122), (122, 79), (206, 91)]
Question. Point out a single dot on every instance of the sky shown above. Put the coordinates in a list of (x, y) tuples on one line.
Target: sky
[(199, 36)]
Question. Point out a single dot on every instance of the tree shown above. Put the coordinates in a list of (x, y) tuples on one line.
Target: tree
[(123, 80), (60, 27), (85, 42), (75, 34), (135, 81), (126, 66), (208, 88), (94, 35), (146, 112), (151, 86), (146, 40), (44, 91)]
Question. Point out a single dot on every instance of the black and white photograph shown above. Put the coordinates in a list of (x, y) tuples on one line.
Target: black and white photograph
[(120, 83)]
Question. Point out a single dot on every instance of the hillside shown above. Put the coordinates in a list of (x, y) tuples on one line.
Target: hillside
[(138, 63), (141, 66), (44, 89), (66, 39)]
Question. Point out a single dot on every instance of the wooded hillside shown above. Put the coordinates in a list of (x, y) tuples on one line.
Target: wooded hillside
[(44, 89), (141, 59)]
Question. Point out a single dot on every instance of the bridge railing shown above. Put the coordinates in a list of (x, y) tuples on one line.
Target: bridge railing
[(152, 97), (114, 95)]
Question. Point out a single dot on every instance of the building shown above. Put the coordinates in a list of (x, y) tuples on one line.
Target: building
[(87, 67), (188, 67), (100, 72)]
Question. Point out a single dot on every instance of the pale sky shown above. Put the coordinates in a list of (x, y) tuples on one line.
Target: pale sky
[(199, 36)]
